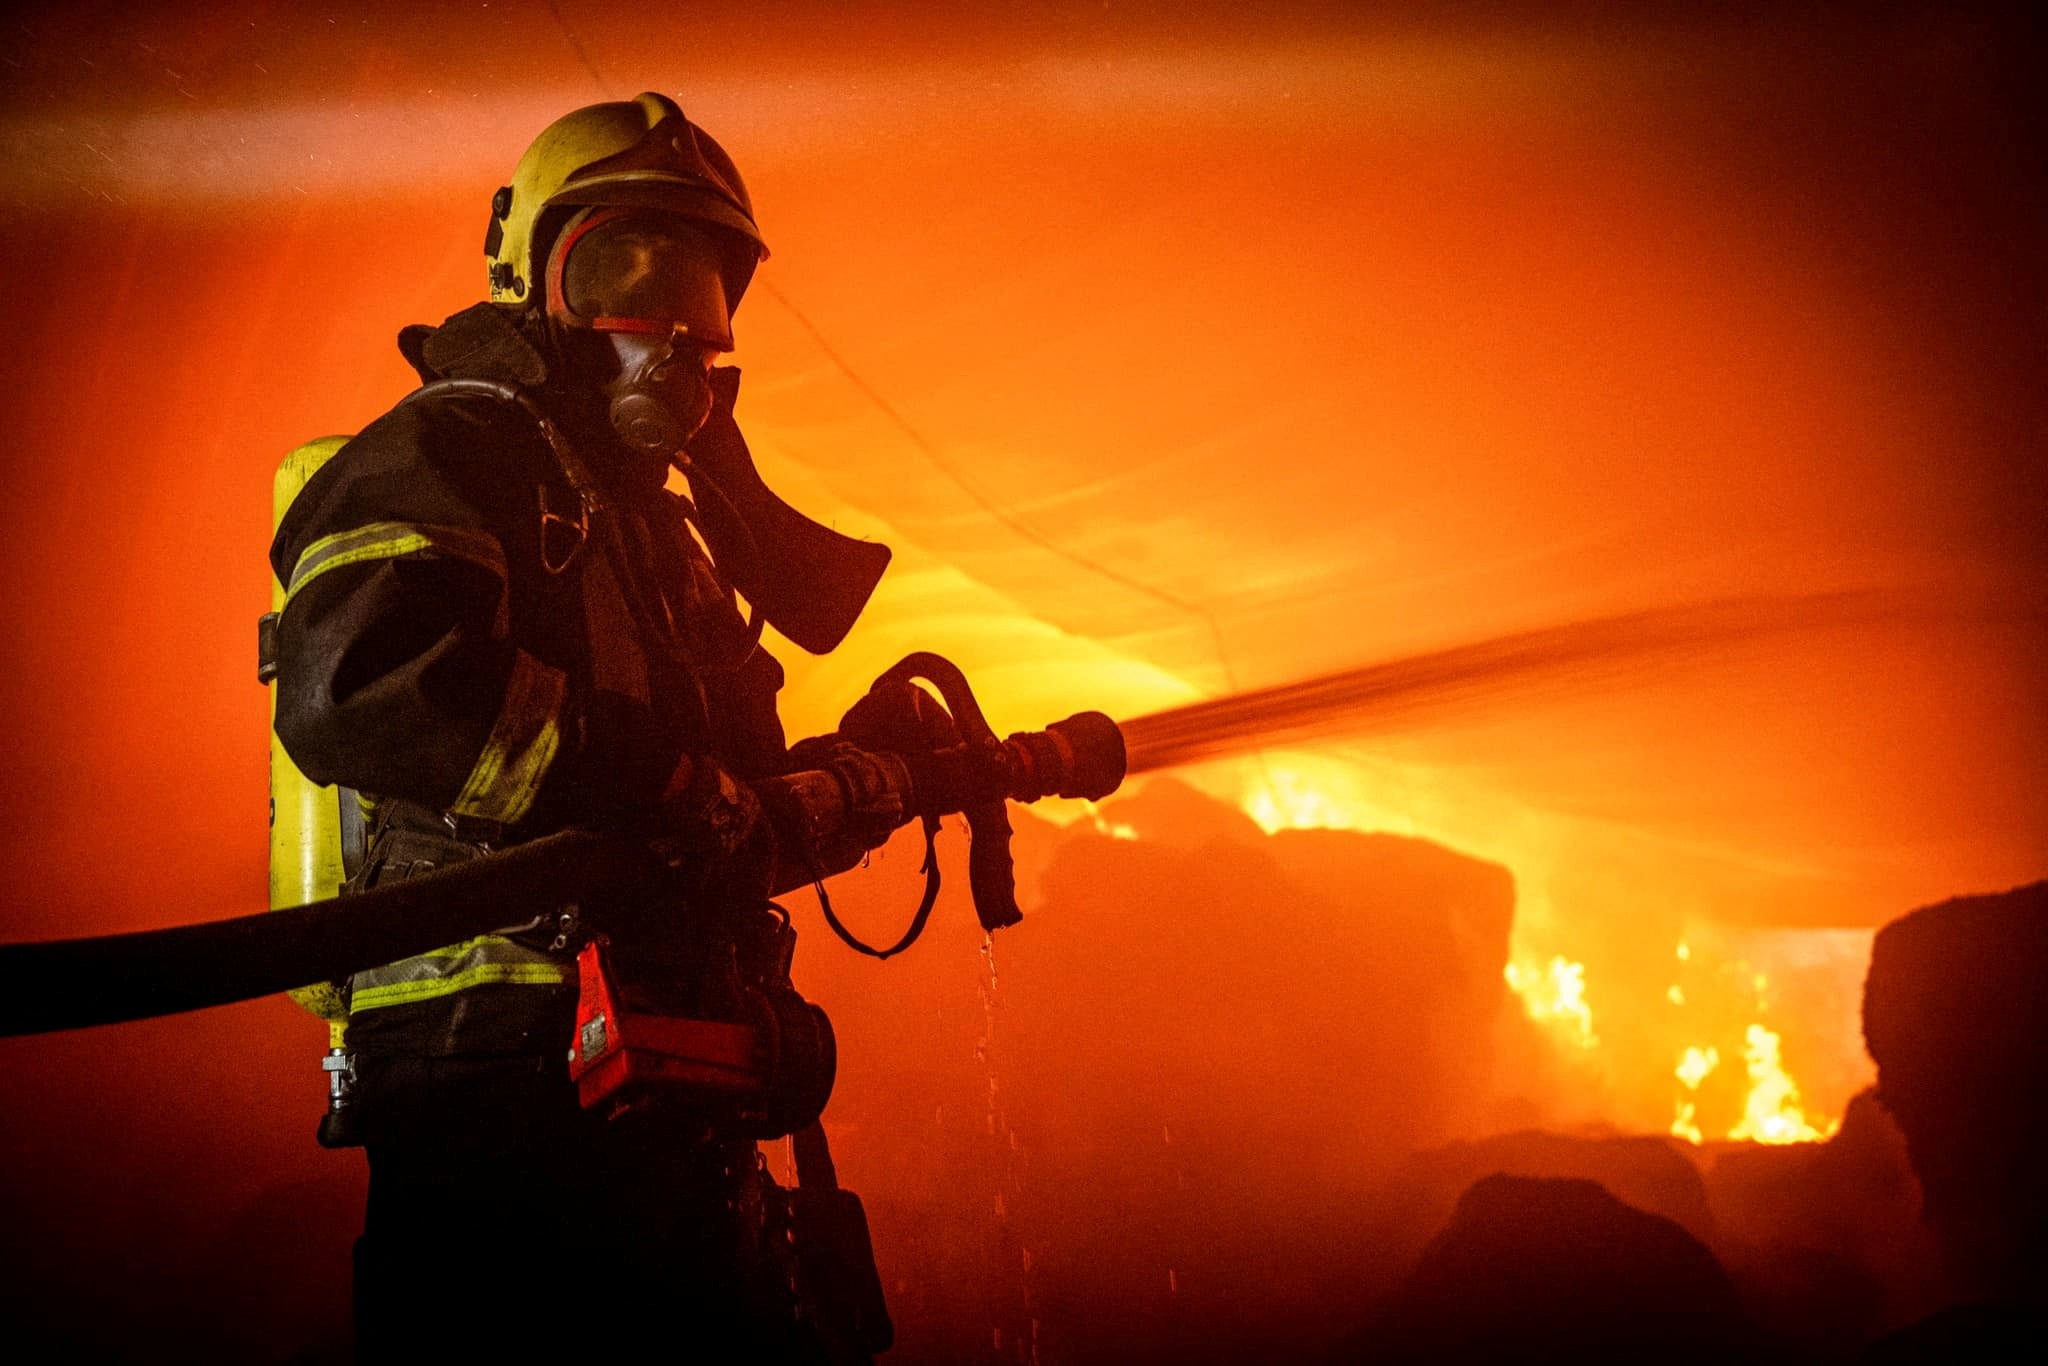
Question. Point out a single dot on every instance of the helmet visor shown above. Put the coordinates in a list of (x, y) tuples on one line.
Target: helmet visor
[(645, 272)]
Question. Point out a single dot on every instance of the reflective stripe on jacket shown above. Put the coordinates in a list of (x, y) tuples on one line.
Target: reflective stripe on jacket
[(430, 654), (487, 961)]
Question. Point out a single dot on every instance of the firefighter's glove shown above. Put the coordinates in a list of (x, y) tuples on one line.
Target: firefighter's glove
[(872, 795), (712, 831), (899, 716)]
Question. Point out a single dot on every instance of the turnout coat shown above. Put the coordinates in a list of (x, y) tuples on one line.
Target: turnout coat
[(493, 630)]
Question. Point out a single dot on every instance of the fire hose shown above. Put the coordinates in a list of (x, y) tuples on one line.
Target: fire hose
[(75, 983)]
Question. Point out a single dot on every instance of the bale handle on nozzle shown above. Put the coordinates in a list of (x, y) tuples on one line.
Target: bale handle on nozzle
[(1082, 756)]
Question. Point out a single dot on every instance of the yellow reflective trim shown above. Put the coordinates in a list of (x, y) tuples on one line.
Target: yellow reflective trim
[(323, 999), (428, 988), (522, 744), (391, 541)]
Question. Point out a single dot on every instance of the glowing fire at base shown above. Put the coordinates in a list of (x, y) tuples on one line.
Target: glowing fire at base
[(1771, 1114), (1553, 993), (1556, 995), (1693, 1068)]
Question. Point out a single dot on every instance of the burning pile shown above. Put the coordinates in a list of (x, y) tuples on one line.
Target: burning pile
[(1250, 1039), (1768, 1108), (1724, 1073)]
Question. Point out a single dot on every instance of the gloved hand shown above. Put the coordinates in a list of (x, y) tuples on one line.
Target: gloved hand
[(842, 800), (873, 802), (898, 715), (711, 828)]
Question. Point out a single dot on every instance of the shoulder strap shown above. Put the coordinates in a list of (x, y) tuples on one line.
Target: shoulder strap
[(574, 471)]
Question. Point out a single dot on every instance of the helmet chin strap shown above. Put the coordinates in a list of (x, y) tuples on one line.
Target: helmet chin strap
[(658, 398)]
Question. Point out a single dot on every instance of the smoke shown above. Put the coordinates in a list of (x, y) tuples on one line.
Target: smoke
[(1365, 343)]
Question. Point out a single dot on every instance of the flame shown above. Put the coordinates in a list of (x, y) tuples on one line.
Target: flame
[(1301, 791), (1116, 830), (1694, 1066), (1289, 800), (1555, 995), (1684, 1125), (1310, 792), (1771, 1112)]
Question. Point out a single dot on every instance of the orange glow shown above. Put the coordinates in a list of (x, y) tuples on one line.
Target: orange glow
[(1771, 1112), (1298, 792), (1116, 830), (1289, 803), (1176, 351), (1693, 1068), (1555, 994)]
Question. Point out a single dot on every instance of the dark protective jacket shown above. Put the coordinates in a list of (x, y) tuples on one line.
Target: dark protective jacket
[(467, 635)]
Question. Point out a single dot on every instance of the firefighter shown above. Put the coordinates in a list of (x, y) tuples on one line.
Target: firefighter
[(500, 623)]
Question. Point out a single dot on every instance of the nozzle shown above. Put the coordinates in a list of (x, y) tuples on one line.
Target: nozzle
[(1082, 756)]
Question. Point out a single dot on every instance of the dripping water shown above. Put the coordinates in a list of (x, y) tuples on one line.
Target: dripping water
[(1007, 1162)]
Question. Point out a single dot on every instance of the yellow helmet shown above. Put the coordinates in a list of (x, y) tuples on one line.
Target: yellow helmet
[(639, 153)]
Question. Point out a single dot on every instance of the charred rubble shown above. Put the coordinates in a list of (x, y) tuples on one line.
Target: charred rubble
[(1213, 1102), (1540, 1269), (1955, 1016)]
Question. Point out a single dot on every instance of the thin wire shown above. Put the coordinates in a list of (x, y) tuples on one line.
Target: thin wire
[(946, 467), (987, 504), (570, 36)]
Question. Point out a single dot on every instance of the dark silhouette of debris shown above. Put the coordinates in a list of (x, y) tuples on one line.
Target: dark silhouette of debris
[(1966, 1335), (1158, 1137), (1648, 1173), (1956, 1016), (1538, 1270), (1824, 1240)]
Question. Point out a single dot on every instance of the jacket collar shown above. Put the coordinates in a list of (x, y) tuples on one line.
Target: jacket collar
[(483, 341)]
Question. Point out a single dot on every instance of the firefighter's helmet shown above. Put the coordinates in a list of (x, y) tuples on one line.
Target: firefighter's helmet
[(639, 153)]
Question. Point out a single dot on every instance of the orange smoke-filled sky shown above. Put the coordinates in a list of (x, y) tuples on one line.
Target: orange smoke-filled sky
[(1174, 348)]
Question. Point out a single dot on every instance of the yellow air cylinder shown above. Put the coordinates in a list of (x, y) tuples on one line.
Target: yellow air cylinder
[(305, 818)]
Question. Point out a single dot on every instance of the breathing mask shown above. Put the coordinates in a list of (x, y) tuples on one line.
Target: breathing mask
[(649, 287)]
